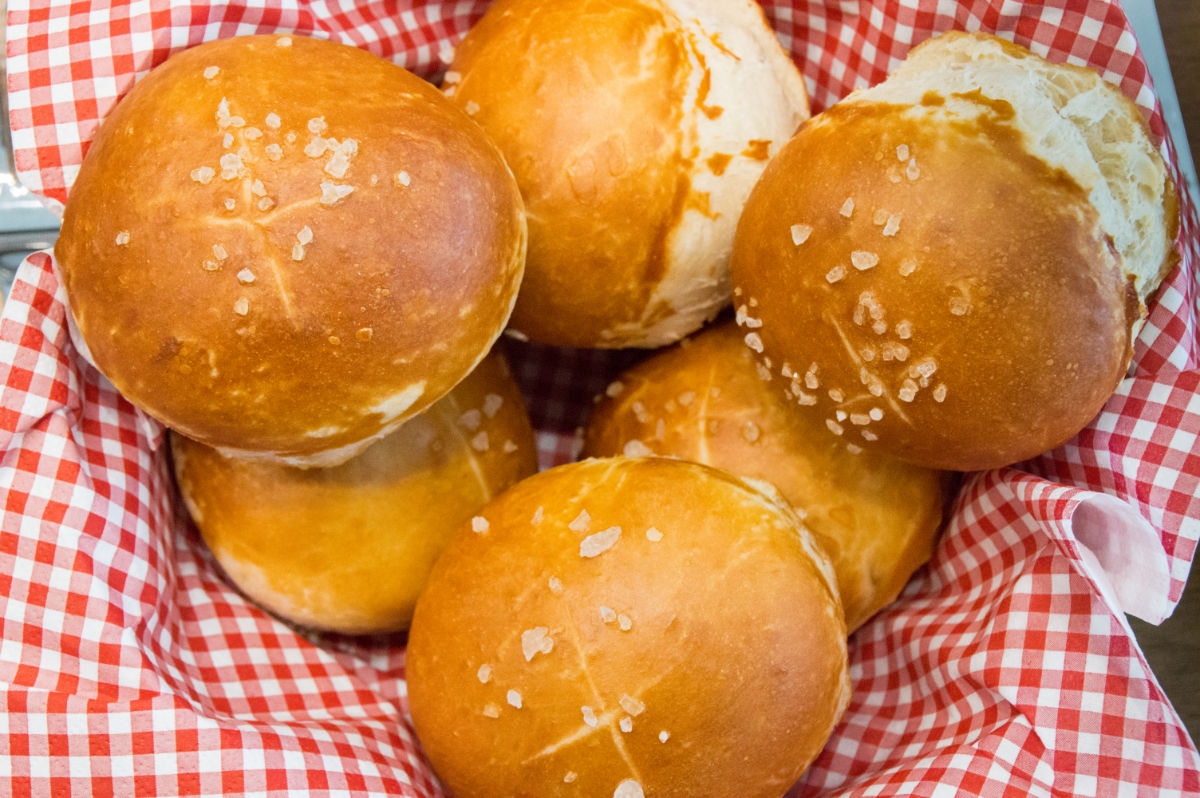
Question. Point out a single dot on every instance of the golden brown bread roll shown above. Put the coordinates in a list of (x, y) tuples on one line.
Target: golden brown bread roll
[(635, 128), (348, 548), (878, 518), (960, 255), (284, 247), (623, 627)]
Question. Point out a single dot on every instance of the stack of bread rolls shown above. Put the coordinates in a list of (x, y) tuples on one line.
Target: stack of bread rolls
[(298, 257)]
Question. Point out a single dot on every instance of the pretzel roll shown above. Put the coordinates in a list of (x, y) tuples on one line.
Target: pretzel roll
[(627, 627), (284, 247), (348, 548), (635, 128), (962, 254), (877, 517)]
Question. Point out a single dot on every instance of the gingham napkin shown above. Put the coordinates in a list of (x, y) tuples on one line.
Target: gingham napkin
[(128, 665)]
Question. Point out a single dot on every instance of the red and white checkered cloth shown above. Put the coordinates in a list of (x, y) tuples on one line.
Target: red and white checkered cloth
[(129, 666)]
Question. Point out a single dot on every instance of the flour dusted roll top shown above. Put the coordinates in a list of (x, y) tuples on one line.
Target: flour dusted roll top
[(348, 548), (628, 627), (875, 516), (961, 255), (283, 247), (635, 128)]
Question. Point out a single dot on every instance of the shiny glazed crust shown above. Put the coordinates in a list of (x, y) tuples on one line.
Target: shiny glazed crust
[(348, 548), (635, 129), (938, 279), (624, 619), (878, 518), (283, 247)]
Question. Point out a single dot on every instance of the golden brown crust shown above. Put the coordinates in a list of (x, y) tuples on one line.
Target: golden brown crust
[(985, 317), (704, 401), (348, 548), (262, 312), (590, 200), (598, 108), (720, 645)]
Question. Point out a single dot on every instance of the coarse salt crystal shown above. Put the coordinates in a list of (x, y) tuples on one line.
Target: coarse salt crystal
[(754, 341), (242, 306), (514, 699), (876, 414), (297, 252), (636, 448), (509, 447), (252, 134), (491, 711), (452, 77), (245, 276), (836, 274), (939, 393), (305, 236), (663, 736), (492, 404), (893, 225), (570, 777), (480, 442), (624, 622), (211, 72), (607, 614), (847, 208), (834, 427), (904, 329), (626, 724), (317, 125), (479, 524), (614, 388), (653, 535), (800, 233), (471, 419), (274, 152), (273, 121), (219, 252), (484, 674), (555, 584), (536, 641), (600, 542), (537, 516), (258, 189), (472, 107), (863, 260), (750, 431), (122, 238), (283, 41), (907, 267), (403, 178), (580, 523), (902, 153), (203, 175), (333, 193), (629, 789), (589, 716), (632, 705), (912, 171)]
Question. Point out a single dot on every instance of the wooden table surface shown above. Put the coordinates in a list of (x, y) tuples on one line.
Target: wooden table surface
[(1173, 649)]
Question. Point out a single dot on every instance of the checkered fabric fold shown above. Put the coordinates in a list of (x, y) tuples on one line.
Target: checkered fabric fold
[(130, 666)]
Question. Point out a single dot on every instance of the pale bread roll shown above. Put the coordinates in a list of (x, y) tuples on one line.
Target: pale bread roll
[(348, 548)]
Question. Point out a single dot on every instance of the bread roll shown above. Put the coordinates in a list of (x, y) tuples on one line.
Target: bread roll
[(284, 247), (876, 517), (627, 627), (962, 253), (348, 548), (635, 128)]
